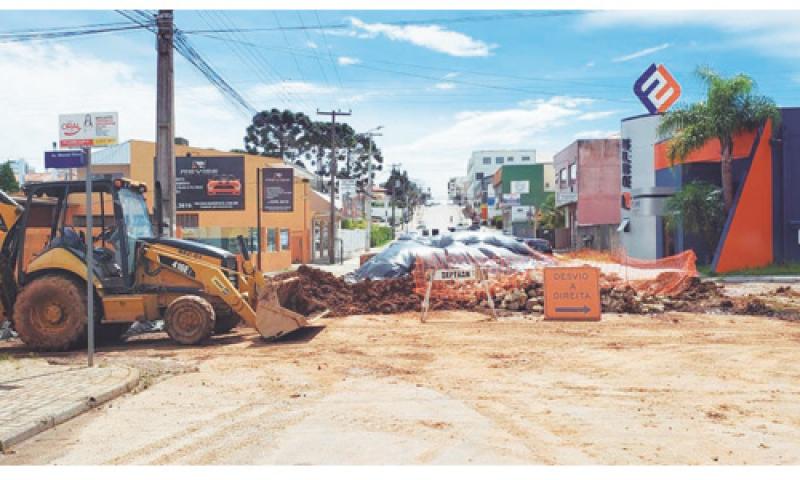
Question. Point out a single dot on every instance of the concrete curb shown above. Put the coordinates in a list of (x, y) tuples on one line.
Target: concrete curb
[(756, 279), (77, 408)]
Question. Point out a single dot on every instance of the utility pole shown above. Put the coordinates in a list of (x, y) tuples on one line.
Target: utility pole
[(372, 133), (332, 225), (395, 186), (164, 168)]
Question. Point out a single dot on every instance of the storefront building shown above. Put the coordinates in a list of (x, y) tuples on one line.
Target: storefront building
[(218, 199), (521, 190), (763, 226), (587, 185)]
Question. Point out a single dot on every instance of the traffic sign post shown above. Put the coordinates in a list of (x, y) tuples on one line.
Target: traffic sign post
[(572, 293)]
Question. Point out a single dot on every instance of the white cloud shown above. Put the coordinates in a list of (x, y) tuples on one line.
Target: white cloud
[(433, 37), (347, 61), (311, 44), (269, 90), (445, 86), (41, 81), (451, 75), (641, 53), (590, 64), (772, 33), (592, 134), (597, 115)]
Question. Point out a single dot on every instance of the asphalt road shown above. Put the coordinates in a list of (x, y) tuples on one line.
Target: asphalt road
[(440, 216)]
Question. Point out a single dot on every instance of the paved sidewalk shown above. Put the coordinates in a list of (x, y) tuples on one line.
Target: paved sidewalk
[(36, 396)]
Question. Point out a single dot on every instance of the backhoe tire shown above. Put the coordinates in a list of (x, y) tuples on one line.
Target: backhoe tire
[(50, 313), (226, 323), (189, 320)]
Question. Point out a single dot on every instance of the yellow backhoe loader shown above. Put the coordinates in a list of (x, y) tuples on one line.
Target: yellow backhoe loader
[(197, 289)]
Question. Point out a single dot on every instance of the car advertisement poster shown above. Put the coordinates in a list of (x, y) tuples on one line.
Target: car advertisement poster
[(278, 193), (209, 183)]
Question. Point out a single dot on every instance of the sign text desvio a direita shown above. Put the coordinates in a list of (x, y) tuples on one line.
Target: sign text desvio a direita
[(572, 293)]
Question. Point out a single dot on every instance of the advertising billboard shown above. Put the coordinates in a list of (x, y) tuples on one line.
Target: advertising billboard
[(209, 183), (84, 130), (520, 186), (278, 189)]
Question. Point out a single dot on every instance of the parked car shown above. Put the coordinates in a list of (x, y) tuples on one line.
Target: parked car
[(538, 244)]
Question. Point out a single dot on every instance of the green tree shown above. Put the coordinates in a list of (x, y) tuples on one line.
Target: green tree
[(8, 181), (277, 133), (698, 207), (552, 217), (730, 107)]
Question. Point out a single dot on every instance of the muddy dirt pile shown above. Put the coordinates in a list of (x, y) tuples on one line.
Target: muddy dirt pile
[(319, 290)]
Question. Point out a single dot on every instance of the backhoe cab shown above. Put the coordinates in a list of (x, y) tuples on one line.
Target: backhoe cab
[(197, 289)]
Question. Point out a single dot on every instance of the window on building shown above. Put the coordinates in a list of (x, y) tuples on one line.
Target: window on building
[(187, 220), (526, 159), (546, 184), (573, 173), (479, 176), (498, 160), (487, 160), (284, 239), (562, 177), (509, 159), (272, 237)]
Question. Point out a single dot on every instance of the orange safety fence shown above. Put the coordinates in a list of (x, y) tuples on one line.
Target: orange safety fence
[(665, 276)]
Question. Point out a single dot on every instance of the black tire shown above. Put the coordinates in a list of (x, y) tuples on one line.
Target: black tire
[(50, 313), (189, 320), (226, 323)]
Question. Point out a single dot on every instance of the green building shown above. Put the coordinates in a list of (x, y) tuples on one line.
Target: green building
[(520, 191)]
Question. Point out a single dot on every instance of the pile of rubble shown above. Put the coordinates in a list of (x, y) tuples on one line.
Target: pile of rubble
[(320, 290)]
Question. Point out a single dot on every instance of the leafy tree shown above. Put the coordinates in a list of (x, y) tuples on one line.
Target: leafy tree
[(8, 181), (730, 107), (277, 133), (698, 207), (181, 141), (552, 217)]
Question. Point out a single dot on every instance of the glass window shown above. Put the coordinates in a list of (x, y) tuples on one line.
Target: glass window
[(498, 160), (487, 160), (526, 159), (272, 236), (509, 159), (284, 239), (562, 175), (187, 220), (573, 173)]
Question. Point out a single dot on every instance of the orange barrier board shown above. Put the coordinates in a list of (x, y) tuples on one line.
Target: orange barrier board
[(572, 293)]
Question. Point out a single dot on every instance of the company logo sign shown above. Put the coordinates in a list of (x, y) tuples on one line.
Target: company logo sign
[(657, 89)]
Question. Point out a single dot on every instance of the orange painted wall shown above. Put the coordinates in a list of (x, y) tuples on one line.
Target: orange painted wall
[(298, 221), (748, 242), (710, 152)]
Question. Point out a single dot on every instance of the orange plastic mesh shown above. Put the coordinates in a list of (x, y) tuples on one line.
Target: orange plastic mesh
[(664, 276)]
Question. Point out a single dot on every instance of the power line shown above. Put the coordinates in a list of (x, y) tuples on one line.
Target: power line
[(64, 33), (465, 19), (330, 55), (308, 38)]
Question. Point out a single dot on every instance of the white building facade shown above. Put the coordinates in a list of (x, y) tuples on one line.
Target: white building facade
[(482, 165)]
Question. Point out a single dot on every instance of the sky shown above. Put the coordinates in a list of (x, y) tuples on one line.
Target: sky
[(441, 83)]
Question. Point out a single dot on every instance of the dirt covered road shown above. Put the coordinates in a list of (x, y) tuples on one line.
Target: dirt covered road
[(674, 388)]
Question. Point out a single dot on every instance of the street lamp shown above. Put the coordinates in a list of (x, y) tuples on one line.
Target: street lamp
[(370, 134)]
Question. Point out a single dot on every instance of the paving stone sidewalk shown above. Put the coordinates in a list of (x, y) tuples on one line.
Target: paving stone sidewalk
[(36, 396)]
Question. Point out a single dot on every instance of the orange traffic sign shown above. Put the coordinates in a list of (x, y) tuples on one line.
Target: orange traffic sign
[(572, 293)]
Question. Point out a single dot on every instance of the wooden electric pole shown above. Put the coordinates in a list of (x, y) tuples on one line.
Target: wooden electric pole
[(164, 168), (333, 168)]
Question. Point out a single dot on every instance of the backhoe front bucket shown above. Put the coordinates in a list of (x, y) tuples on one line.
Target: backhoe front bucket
[(276, 313)]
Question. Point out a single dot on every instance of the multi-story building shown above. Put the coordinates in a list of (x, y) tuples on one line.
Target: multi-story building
[(479, 194), (20, 168), (521, 190), (588, 190)]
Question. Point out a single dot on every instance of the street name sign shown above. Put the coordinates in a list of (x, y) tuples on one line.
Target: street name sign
[(572, 293), (65, 159)]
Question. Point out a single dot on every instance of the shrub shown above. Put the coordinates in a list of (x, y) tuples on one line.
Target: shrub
[(381, 234), (354, 224)]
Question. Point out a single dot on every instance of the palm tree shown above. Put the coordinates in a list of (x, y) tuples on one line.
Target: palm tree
[(552, 217), (730, 108)]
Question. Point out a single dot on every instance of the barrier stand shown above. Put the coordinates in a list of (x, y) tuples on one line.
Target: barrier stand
[(456, 275), (484, 278)]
